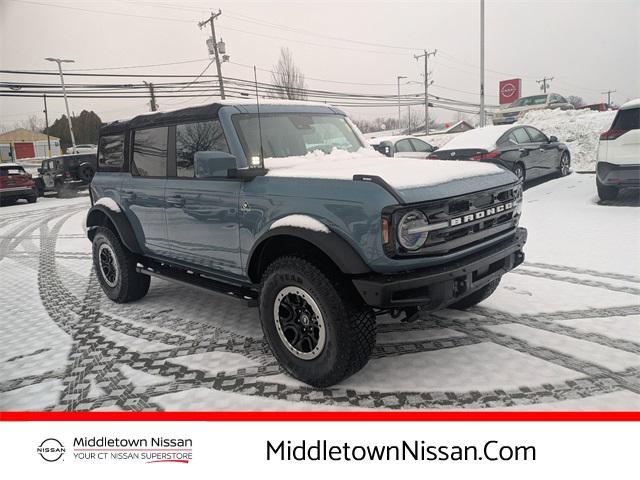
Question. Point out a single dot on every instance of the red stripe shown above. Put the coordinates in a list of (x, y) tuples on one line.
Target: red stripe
[(365, 416)]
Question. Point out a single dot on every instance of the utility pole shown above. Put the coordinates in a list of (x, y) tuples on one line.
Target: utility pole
[(544, 83), (400, 77), (608, 94), (60, 61), (215, 47), (482, 115), (46, 125), (426, 56), (152, 95)]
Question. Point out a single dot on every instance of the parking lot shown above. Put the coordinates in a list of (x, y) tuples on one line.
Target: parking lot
[(561, 333)]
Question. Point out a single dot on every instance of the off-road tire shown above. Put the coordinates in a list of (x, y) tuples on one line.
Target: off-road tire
[(607, 192), (86, 172), (130, 285), (477, 296), (33, 198), (350, 326)]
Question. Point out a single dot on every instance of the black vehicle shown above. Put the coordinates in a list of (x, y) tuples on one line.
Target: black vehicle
[(66, 174), (523, 149)]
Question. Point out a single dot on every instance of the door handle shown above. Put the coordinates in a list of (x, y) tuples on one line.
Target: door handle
[(523, 152), (128, 195), (176, 201)]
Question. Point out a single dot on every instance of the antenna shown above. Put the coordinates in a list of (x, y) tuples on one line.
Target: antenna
[(260, 161)]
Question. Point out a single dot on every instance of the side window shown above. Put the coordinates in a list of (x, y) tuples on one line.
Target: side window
[(628, 119), (111, 153), (150, 152), (519, 136), (421, 146), (403, 146), (536, 135), (197, 137)]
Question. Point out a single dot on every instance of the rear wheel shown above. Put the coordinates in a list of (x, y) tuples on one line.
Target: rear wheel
[(607, 192), (33, 198), (519, 171), (319, 333), (477, 296), (116, 268)]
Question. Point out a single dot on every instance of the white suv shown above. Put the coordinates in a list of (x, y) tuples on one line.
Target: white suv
[(619, 152)]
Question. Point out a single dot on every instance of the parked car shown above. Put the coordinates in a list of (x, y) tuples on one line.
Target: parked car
[(405, 146), (66, 174), (16, 183), (517, 109), (83, 148), (619, 153), (523, 149), (242, 202)]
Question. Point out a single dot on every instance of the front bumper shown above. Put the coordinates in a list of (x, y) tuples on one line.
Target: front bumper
[(437, 287), (618, 175)]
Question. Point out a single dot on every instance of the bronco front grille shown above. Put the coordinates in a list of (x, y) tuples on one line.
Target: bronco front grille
[(471, 219)]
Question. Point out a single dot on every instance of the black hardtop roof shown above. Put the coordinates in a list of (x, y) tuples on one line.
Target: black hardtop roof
[(210, 110)]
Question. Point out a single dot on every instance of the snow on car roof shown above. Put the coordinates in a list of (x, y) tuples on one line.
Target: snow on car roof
[(389, 138), (482, 138), (631, 104), (398, 172)]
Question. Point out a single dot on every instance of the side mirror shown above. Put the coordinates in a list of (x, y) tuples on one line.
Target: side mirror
[(209, 164), (553, 138), (435, 148), (40, 170)]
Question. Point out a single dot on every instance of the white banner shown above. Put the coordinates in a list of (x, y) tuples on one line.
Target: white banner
[(313, 450)]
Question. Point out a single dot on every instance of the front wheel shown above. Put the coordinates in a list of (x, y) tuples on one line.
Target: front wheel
[(477, 296), (319, 333), (565, 165), (116, 268)]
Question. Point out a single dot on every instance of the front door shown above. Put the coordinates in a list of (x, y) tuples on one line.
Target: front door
[(547, 152), (202, 213), (48, 173), (142, 194)]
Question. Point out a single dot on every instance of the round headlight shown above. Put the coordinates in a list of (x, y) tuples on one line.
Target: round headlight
[(412, 230)]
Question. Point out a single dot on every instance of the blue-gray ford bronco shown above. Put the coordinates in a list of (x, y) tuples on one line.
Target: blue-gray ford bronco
[(286, 206)]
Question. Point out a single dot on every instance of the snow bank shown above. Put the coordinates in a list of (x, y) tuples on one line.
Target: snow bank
[(579, 129), (398, 172), (301, 221), (109, 203)]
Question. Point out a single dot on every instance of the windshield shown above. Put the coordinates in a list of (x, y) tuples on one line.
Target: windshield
[(295, 134), (526, 101)]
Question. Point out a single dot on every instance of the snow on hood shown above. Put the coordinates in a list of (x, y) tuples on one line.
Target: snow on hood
[(484, 138), (398, 172)]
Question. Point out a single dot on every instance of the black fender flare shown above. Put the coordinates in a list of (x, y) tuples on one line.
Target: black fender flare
[(339, 251), (96, 218)]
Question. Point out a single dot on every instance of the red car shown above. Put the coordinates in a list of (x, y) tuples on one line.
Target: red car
[(16, 183)]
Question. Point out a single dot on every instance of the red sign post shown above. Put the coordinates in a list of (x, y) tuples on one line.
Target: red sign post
[(510, 90)]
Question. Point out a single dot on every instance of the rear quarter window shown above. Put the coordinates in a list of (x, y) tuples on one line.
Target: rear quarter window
[(627, 119), (111, 153)]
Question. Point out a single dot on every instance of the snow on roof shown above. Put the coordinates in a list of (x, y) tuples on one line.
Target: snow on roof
[(398, 172), (631, 104), (390, 138), (10, 165), (482, 138)]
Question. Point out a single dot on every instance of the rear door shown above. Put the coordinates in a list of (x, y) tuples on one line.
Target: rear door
[(403, 148), (142, 193), (202, 213), (422, 148)]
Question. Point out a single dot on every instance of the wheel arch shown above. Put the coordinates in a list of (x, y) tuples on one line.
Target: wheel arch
[(281, 241), (101, 216)]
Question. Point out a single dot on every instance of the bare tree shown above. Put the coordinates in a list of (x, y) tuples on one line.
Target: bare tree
[(575, 101), (288, 78)]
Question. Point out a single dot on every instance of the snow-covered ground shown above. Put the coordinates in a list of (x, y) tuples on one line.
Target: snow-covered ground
[(579, 129), (562, 332)]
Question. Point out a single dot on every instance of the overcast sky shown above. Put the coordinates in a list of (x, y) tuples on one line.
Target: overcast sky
[(587, 46)]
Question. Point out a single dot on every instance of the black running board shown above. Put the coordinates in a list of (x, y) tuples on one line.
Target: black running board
[(202, 282)]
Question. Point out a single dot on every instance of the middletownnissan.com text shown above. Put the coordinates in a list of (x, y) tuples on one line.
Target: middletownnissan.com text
[(417, 450)]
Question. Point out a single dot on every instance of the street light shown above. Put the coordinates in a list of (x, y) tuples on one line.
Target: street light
[(400, 77), (60, 61)]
